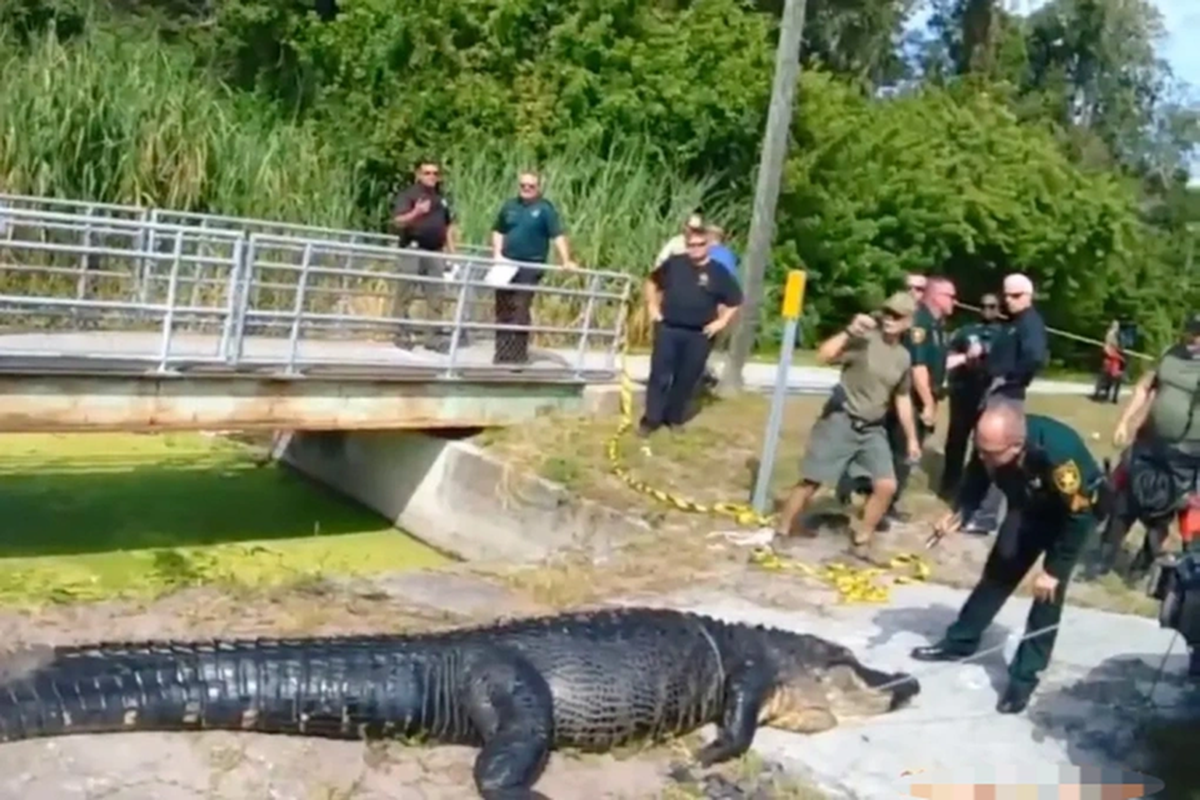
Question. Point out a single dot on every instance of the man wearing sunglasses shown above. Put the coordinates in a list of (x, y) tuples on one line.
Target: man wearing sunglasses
[(926, 343), (1024, 349), (691, 299), (851, 433), (1051, 481), (525, 228), (424, 219), (1018, 353), (967, 383)]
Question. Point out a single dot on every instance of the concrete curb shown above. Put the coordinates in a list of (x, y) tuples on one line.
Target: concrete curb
[(457, 498)]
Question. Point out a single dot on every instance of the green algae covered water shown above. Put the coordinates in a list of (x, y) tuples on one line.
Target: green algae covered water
[(95, 516)]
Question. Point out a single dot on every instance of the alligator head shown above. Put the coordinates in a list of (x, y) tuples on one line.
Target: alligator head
[(818, 683)]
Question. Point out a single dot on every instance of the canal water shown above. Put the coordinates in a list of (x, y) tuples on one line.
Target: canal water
[(93, 516)]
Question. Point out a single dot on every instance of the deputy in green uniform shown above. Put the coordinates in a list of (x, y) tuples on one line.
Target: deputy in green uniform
[(1050, 479), (966, 385)]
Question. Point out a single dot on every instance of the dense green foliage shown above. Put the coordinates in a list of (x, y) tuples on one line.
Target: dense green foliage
[(1051, 144)]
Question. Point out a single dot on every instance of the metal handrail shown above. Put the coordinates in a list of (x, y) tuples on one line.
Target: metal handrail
[(183, 278)]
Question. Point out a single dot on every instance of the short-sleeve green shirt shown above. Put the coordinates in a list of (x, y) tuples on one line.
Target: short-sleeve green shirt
[(528, 229), (926, 343)]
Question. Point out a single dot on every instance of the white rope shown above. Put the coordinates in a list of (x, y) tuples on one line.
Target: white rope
[(965, 659)]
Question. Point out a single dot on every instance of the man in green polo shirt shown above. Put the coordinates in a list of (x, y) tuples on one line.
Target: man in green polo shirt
[(524, 230)]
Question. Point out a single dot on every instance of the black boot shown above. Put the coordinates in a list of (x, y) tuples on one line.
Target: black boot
[(942, 651), (1015, 697)]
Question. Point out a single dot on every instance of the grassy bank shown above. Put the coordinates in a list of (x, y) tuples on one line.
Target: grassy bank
[(108, 515), (715, 459)]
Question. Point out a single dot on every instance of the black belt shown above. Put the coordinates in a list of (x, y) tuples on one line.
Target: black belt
[(689, 328), (860, 425)]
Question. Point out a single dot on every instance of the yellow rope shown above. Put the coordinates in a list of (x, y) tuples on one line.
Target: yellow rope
[(853, 584)]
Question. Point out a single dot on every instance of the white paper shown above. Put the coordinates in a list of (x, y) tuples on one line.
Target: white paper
[(501, 274)]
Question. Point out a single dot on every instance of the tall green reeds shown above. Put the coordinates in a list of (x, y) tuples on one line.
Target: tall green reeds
[(125, 120), (122, 117)]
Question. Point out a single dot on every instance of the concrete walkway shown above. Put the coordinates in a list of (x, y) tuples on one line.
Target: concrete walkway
[(1085, 712)]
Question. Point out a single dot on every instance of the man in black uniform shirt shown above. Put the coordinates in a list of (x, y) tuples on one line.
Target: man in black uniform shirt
[(424, 219), (1023, 349), (1050, 480), (691, 299), (1018, 353), (967, 384)]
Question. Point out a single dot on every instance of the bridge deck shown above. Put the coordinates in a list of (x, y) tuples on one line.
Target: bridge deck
[(112, 353), (103, 381)]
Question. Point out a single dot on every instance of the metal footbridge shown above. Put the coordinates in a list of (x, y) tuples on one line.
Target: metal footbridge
[(127, 318)]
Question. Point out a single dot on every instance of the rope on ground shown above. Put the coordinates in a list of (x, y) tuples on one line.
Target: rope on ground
[(853, 584), (1146, 702)]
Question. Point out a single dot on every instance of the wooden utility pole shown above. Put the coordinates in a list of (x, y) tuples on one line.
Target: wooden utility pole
[(766, 190)]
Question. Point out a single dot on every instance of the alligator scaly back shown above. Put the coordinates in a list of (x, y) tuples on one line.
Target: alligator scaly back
[(517, 689)]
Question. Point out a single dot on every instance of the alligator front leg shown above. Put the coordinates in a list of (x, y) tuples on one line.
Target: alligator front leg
[(745, 690), (512, 708)]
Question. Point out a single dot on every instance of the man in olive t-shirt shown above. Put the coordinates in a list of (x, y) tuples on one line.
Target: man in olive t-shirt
[(876, 377), (1165, 413)]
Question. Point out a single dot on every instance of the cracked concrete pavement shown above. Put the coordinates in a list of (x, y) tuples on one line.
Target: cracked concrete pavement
[(1085, 713)]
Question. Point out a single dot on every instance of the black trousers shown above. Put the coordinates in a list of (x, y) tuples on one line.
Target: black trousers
[(964, 413), (899, 442), (512, 308), (1108, 387), (677, 363), (1022, 539)]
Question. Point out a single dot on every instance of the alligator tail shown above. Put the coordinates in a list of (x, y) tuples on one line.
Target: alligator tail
[(328, 689)]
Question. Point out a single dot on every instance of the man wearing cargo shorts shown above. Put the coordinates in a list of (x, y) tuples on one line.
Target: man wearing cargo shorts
[(876, 376)]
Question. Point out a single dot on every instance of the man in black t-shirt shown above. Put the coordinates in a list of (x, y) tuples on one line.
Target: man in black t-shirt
[(691, 299), (424, 220)]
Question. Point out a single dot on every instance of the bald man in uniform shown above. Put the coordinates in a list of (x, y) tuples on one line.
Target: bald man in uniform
[(1050, 480)]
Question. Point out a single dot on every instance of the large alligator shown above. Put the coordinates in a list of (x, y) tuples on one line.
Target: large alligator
[(517, 689)]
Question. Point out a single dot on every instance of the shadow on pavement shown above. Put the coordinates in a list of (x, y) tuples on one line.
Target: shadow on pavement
[(1108, 718)]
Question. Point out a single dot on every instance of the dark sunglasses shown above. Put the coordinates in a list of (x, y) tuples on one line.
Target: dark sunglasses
[(990, 307), (528, 185)]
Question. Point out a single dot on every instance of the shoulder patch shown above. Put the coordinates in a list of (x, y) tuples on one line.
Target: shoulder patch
[(918, 335), (1067, 478)]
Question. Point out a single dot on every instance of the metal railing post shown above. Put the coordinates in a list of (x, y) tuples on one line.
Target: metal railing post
[(229, 326), (242, 308), (298, 309), (592, 288), (169, 316), (148, 262), (459, 312), (81, 284)]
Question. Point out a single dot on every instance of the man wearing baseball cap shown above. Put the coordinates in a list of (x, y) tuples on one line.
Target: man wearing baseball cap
[(852, 430)]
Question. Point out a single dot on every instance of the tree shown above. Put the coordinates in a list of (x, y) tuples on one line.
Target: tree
[(949, 180)]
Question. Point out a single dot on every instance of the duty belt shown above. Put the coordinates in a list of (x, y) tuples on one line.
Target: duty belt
[(860, 425)]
